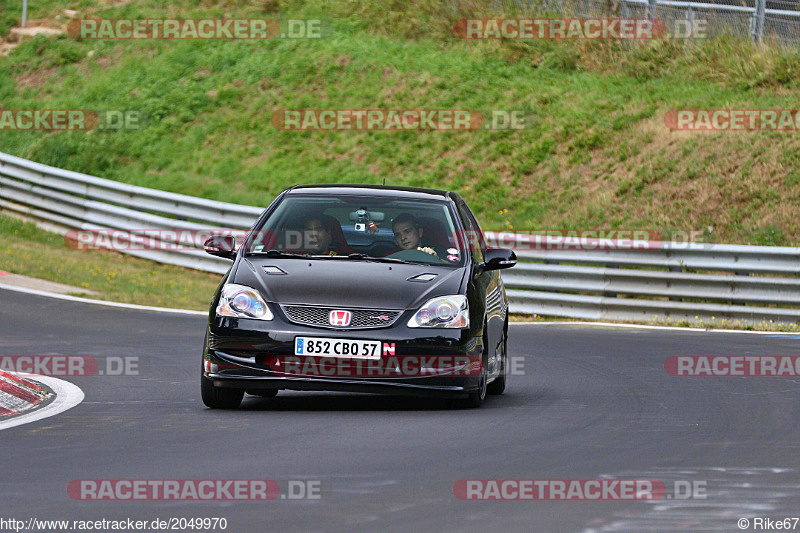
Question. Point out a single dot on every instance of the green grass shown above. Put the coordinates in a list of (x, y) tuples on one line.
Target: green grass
[(30, 251), (597, 152)]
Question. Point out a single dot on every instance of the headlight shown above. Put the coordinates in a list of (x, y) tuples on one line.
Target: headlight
[(242, 302), (442, 312)]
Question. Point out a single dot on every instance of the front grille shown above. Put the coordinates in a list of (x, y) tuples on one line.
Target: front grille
[(361, 318)]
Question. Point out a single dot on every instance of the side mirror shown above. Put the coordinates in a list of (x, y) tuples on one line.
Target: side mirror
[(498, 259), (221, 246)]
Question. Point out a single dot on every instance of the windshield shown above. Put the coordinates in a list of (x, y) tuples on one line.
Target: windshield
[(365, 228)]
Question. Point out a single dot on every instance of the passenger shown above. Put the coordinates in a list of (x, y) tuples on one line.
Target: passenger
[(408, 234)]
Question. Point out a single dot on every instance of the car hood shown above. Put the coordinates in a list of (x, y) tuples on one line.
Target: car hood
[(346, 283)]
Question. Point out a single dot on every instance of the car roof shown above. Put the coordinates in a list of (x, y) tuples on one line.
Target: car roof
[(371, 190)]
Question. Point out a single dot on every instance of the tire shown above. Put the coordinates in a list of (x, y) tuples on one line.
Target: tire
[(263, 393), (475, 398), (498, 386), (217, 397)]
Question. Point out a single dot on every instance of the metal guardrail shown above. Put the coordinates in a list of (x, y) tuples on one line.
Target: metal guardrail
[(64, 200), (666, 281)]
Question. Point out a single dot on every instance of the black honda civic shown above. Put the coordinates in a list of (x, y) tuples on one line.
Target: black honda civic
[(356, 288)]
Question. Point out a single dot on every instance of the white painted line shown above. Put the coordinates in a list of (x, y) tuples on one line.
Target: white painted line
[(646, 326), (103, 302), (67, 397)]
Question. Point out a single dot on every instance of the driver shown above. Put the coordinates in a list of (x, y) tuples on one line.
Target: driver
[(317, 237), (408, 234)]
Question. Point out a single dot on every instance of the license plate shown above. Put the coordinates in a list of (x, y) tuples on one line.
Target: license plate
[(327, 347)]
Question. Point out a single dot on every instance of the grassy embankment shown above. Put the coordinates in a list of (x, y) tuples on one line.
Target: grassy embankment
[(596, 154)]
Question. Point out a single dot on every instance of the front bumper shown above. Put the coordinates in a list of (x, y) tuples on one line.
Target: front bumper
[(422, 362)]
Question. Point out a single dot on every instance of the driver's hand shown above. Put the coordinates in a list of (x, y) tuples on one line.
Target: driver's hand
[(428, 250)]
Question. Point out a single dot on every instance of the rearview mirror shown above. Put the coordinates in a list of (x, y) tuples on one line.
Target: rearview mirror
[(375, 216), (221, 246)]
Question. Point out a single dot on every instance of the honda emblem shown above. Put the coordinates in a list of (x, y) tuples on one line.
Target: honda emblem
[(339, 318)]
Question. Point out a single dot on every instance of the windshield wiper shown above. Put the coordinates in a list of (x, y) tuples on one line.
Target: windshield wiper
[(365, 257), (281, 254), (275, 253)]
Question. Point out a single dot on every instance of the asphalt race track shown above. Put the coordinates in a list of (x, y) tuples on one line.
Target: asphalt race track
[(592, 403)]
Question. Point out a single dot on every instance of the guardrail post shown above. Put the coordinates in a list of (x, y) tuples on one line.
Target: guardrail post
[(24, 12), (675, 298), (611, 294), (651, 8), (739, 302), (759, 14)]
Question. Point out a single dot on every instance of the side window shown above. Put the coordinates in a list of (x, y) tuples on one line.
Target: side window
[(474, 233)]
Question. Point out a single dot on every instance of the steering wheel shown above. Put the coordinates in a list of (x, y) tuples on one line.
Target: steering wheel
[(415, 255)]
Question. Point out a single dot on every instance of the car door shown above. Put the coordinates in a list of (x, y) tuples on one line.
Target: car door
[(487, 287)]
